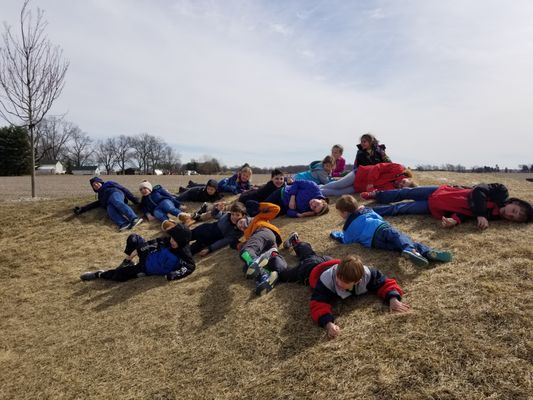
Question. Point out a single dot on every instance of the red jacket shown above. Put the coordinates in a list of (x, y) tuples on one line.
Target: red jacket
[(325, 291), (459, 202), (382, 176)]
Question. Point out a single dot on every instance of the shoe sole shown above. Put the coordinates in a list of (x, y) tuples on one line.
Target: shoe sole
[(253, 272), (442, 256), (419, 261), (139, 221), (267, 286), (287, 242)]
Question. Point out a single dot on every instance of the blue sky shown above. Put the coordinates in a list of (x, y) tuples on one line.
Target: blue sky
[(279, 82)]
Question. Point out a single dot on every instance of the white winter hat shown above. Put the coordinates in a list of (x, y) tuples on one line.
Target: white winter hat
[(145, 184)]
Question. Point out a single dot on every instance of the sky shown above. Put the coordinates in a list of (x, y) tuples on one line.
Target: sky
[(279, 82)]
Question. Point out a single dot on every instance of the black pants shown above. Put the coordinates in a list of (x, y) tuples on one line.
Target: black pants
[(205, 235), (308, 260), (133, 243), (277, 198)]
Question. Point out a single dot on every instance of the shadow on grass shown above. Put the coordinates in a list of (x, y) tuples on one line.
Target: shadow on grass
[(108, 293)]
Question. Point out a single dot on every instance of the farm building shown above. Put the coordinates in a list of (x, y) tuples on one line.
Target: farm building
[(87, 170), (50, 167)]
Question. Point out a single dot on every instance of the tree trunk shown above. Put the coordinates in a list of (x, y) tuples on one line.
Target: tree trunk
[(32, 145)]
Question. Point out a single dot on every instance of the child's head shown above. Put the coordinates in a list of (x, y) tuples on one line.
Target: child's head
[(211, 187), (277, 178), (368, 141), (96, 183), (180, 236), (327, 163), (336, 151), (319, 206), (405, 183), (243, 223), (346, 205), (349, 272), (237, 212), (245, 173), (145, 188), (517, 210)]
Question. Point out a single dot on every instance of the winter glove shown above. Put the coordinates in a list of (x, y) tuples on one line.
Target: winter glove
[(337, 235)]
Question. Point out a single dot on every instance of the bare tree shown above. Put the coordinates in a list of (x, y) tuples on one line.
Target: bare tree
[(156, 152), (141, 150), (123, 151), (170, 161), (80, 150), (105, 154), (32, 73), (53, 135)]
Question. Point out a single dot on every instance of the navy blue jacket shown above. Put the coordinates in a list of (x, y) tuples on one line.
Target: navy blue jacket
[(105, 191), (157, 195)]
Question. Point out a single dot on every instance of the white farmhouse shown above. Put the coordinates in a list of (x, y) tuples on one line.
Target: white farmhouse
[(50, 167), (87, 170)]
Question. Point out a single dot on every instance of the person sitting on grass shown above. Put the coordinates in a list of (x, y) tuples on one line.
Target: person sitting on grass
[(331, 279), (114, 198), (453, 205), (277, 180), (169, 256), (259, 251), (238, 183), (207, 193), (156, 202), (301, 199), (318, 172), (367, 228), (369, 178), (370, 152), (338, 161), (209, 237)]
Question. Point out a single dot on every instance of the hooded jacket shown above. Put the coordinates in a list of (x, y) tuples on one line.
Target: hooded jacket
[(304, 192), (150, 202), (105, 191), (373, 156), (383, 176), (200, 194), (315, 173), (325, 290), (233, 184), (359, 227), (267, 211)]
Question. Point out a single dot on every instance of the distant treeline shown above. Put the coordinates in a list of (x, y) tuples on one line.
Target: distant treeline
[(461, 168)]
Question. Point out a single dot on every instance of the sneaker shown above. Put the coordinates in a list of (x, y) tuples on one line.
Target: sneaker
[(168, 224), (135, 222), (266, 282), (91, 275), (181, 190), (125, 263), (415, 258), (255, 268), (291, 240), (124, 227), (368, 195), (203, 209), (186, 219), (439, 255)]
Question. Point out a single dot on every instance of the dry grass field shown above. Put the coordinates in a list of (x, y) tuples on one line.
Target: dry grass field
[(209, 337)]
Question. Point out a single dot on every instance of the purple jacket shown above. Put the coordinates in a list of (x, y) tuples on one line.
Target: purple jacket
[(304, 191)]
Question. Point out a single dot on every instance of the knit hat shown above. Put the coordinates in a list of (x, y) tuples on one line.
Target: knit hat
[(181, 234), (95, 179), (146, 185)]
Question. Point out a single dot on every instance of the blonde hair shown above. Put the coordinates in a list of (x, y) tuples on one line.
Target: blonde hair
[(347, 203), (350, 269)]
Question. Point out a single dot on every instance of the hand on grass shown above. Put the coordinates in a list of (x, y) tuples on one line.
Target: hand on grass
[(204, 252), (482, 223), (448, 222), (397, 307), (332, 330)]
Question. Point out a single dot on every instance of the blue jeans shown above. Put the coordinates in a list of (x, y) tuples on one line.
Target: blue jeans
[(165, 207), (390, 238), (119, 212), (418, 206)]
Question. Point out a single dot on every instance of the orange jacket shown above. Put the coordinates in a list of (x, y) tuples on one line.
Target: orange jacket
[(267, 211)]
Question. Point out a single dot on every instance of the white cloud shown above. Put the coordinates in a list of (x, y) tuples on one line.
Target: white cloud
[(437, 82)]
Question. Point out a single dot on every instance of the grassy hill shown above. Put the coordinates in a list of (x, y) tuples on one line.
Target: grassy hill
[(209, 337)]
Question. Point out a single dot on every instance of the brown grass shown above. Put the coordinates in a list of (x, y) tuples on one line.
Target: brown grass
[(209, 337)]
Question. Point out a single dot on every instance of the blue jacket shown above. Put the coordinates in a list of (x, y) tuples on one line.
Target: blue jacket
[(162, 259), (105, 191), (157, 195), (315, 173), (304, 191), (233, 185), (359, 227)]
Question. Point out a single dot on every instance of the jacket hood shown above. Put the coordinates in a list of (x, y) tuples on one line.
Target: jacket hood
[(212, 183), (95, 179)]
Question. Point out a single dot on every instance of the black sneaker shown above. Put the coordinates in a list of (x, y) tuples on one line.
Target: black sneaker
[(291, 240), (125, 263), (203, 209), (91, 275), (124, 227), (266, 282)]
